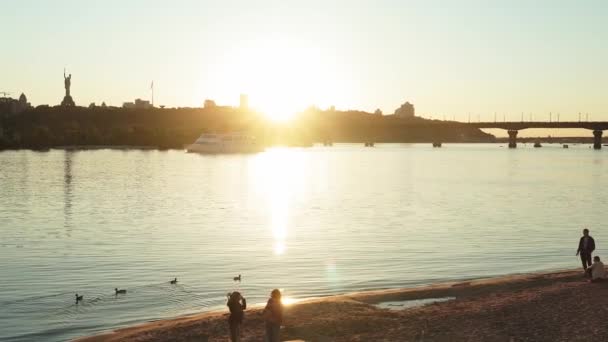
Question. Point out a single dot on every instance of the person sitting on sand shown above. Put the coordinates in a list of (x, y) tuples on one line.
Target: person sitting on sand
[(273, 316), (597, 271), (237, 304), (586, 246)]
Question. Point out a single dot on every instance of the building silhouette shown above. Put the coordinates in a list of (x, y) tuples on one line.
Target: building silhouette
[(209, 104), (10, 106), (244, 102), (137, 104), (406, 111)]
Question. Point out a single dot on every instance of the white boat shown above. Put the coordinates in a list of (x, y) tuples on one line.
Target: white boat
[(225, 143)]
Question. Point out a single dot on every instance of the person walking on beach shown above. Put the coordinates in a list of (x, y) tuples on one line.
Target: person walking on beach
[(586, 246), (273, 316), (237, 304), (597, 271)]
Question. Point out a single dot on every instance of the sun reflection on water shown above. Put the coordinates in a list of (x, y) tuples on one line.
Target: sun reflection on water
[(288, 300), (278, 176), (279, 247)]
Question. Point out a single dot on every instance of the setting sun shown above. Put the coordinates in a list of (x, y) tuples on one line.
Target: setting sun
[(280, 77), (303, 170)]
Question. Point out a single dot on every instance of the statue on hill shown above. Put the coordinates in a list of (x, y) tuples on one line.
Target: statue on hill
[(68, 83), (67, 99)]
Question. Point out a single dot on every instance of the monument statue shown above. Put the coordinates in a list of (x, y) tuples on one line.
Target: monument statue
[(68, 82), (67, 99)]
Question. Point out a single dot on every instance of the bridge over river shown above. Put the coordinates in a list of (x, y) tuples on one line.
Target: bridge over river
[(512, 128)]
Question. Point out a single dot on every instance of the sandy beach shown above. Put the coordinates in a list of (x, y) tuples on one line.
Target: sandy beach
[(558, 306)]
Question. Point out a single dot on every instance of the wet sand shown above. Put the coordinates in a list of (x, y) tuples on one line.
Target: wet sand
[(559, 306)]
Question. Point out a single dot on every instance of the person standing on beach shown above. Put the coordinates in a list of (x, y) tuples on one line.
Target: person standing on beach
[(273, 316), (586, 246), (237, 304)]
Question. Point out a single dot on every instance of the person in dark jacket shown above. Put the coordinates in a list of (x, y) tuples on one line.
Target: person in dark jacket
[(586, 246), (237, 304), (273, 316)]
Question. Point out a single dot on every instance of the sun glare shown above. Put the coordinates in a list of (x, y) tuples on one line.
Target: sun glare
[(280, 76), (283, 81), (288, 300)]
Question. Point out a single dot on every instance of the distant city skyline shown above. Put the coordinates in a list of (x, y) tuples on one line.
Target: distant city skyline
[(450, 59)]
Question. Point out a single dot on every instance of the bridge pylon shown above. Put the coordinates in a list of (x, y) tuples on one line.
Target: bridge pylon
[(512, 138), (597, 139)]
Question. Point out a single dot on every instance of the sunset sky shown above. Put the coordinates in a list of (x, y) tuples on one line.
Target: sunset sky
[(450, 58)]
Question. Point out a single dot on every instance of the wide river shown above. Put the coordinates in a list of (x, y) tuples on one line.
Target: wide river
[(313, 222)]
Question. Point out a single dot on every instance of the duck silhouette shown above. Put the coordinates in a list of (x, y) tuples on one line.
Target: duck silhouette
[(174, 281), (120, 291), (78, 298), (237, 278)]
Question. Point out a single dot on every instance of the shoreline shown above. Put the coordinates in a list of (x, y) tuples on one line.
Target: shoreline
[(497, 309), (498, 141)]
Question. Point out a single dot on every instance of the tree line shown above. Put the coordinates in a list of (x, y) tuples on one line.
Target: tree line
[(47, 127)]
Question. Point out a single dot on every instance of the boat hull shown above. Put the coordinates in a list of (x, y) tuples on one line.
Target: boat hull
[(223, 149)]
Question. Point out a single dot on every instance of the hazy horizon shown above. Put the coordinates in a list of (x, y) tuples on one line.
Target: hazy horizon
[(131, 221), (451, 60)]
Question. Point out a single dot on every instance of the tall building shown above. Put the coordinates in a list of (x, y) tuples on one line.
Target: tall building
[(406, 111), (244, 103)]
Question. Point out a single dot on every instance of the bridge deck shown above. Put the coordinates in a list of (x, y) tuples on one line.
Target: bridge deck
[(518, 125)]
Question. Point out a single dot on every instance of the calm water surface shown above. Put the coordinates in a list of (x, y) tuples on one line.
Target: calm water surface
[(313, 222)]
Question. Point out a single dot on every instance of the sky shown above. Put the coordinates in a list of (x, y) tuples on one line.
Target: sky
[(451, 59)]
